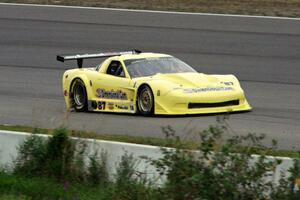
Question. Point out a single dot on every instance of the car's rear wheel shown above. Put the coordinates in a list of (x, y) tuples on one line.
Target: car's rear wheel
[(79, 96), (145, 101)]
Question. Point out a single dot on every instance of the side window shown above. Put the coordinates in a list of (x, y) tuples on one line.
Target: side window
[(98, 66), (115, 68)]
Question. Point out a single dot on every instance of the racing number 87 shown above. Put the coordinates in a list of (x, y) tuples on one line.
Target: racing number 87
[(101, 105)]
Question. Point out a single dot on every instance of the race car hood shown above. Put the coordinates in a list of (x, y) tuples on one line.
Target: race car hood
[(186, 82), (192, 80)]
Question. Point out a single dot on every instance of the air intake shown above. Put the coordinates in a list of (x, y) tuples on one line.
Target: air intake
[(211, 105)]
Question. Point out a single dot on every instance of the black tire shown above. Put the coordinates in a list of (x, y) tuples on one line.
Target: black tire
[(79, 96), (145, 101)]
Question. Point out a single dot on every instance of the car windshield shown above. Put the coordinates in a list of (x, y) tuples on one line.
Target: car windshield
[(151, 66)]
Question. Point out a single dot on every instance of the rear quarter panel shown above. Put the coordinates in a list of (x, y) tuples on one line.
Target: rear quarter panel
[(69, 76)]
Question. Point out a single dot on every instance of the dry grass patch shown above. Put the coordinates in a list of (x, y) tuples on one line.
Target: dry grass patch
[(289, 8)]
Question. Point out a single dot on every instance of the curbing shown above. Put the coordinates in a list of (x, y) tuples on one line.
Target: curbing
[(9, 140)]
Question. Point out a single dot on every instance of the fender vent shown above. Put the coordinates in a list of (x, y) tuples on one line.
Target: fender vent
[(211, 105)]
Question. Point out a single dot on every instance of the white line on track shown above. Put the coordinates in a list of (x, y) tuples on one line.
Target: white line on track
[(149, 11)]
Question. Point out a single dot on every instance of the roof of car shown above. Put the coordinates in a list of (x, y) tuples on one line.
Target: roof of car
[(141, 55)]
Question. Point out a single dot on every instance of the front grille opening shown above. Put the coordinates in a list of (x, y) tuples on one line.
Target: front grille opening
[(211, 105)]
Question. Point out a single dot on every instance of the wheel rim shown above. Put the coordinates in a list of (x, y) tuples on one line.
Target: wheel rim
[(145, 100), (79, 95)]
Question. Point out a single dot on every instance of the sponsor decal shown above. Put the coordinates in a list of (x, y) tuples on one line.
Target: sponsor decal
[(66, 93), (132, 108), (158, 92), (227, 83), (122, 107), (119, 94), (110, 105), (208, 89)]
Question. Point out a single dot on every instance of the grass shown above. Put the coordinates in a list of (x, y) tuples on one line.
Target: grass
[(13, 197), (52, 170), (288, 8), (17, 187), (162, 142)]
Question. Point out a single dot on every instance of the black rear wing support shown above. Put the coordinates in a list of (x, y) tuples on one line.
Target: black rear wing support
[(81, 57)]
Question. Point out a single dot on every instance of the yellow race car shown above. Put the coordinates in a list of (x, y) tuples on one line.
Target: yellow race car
[(148, 83)]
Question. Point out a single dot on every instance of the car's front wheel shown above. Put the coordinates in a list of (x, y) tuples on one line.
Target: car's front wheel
[(145, 101), (79, 96)]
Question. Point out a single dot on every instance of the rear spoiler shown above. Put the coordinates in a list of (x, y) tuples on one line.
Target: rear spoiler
[(79, 58)]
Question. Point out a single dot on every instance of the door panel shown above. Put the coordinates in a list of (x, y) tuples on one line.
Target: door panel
[(113, 93)]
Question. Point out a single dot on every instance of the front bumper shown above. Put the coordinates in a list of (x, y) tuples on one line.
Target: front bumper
[(215, 102)]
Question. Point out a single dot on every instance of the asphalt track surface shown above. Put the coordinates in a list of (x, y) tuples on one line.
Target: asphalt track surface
[(263, 53)]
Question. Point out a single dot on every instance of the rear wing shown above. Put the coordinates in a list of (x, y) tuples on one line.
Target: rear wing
[(79, 58)]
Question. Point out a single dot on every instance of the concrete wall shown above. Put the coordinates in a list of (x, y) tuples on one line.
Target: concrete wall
[(9, 140)]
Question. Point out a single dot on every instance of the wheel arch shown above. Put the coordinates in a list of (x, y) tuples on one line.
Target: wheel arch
[(86, 84), (143, 85), (79, 107), (139, 88)]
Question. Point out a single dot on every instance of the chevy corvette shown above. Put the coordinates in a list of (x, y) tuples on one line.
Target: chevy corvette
[(148, 83)]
